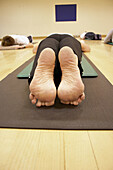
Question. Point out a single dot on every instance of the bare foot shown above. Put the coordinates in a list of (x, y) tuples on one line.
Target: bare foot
[(35, 49), (42, 86), (71, 88)]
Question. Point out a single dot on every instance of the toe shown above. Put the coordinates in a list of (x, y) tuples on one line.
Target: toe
[(31, 96), (38, 103), (75, 103), (71, 103), (49, 103), (82, 96), (33, 100), (79, 100), (43, 103)]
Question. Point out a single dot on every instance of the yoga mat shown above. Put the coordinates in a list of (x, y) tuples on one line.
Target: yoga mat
[(88, 70), (13, 47), (95, 112), (110, 43)]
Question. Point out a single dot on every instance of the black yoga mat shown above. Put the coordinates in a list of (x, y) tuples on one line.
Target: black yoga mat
[(95, 112)]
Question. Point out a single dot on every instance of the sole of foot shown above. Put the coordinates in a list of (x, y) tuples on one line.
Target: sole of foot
[(71, 88), (42, 86)]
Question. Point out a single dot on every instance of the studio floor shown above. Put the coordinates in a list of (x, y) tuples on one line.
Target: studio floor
[(22, 149)]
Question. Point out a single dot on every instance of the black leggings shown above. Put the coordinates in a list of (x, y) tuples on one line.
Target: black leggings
[(56, 42)]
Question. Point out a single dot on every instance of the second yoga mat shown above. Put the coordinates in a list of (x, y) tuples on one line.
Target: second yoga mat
[(88, 70)]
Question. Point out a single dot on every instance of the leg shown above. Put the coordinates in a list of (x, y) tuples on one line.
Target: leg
[(42, 86), (57, 70), (30, 38), (71, 88), (84, 46), (109, 37)]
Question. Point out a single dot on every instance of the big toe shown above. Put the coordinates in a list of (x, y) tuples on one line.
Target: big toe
[(32, 98)]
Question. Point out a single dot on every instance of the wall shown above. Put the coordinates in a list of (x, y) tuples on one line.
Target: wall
[(37, 17)]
